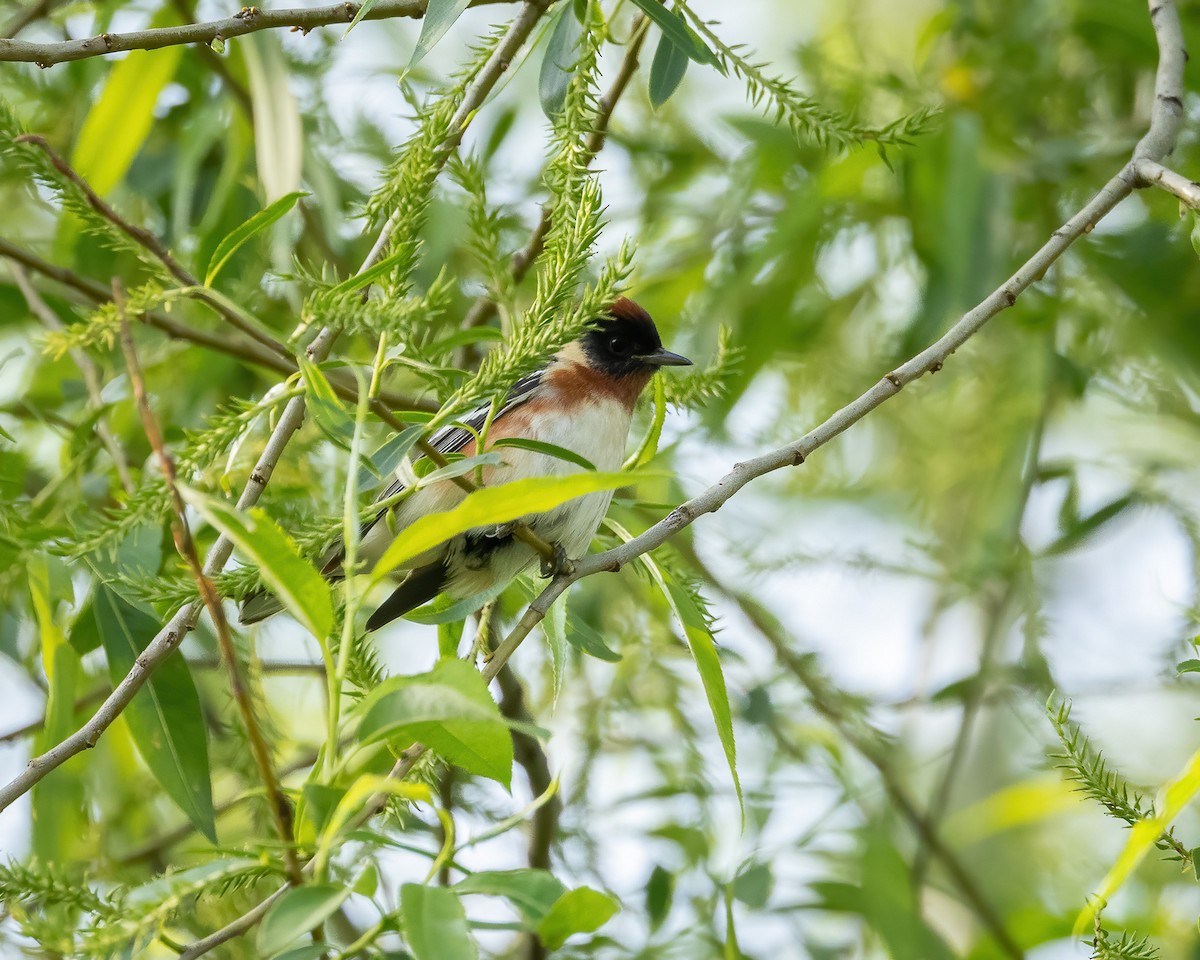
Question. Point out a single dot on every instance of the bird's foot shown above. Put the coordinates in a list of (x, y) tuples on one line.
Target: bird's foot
[(559, 564)]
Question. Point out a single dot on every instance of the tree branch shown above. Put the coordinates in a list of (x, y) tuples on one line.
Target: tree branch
[(280, 810), (289, 422), (87, 369), (1155, 174), (247, 20)]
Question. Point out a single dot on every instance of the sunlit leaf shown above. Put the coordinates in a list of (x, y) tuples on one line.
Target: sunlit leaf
[(493, 505), (297, 584), (237, 237), (122, 116), (549, 449), (582, 910)]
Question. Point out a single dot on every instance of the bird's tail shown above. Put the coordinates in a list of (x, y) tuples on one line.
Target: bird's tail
[(258, 606)]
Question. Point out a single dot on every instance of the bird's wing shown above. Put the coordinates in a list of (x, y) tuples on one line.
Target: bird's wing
[(449, 439)]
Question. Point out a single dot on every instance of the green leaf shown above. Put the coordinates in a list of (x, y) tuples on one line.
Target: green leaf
[(363, 10), (560, 59), (492, 505), (439, 17), (293, 580), (660, 891), (297, 912), (233, 240), (1142, 838), (367, 277), (704, 651), (578, 911), (164, 718), (435, 926), (532, 892), (278, 130), (586, 640), (328, 413), (122, 115), (1195, 234), (678, 32), (667, 70), (456, 468), (549, 449), (449, 710), (554, 626), (649, 445), (1186, 666)]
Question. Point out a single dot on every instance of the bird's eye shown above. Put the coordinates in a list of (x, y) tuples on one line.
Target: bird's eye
[(620, 347)]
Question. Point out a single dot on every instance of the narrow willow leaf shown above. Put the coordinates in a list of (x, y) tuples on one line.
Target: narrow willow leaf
[(237, 237), (435, 925), (555, 628), (704, 652), (649, 446), (492, 505), (560, 59), (164, 718), (293, 580), (449, 710), (586, 640), (533, 892), (328, 413), (439, 17), (667, 70), (363, 10), (351, 804), (678, 32), (1143, 837), (384, 461), (456, 468), (297, 912), (278, 132), (368, 276), (581, 910), (549, 449), (121, 118)]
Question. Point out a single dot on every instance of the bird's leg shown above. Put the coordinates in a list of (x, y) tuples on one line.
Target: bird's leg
[(560, 563)]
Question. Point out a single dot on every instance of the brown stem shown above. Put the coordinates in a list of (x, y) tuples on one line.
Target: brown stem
[(187, 550)]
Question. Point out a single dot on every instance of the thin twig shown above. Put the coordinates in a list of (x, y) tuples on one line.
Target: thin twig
[(247, 20), (87, 369), (234, 346), (144, 238), (30, 14), (212, 600)]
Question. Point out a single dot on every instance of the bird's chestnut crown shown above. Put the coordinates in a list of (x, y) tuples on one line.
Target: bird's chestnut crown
[(626, 342)]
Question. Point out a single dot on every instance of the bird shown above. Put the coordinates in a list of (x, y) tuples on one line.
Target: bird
[(582, 400)]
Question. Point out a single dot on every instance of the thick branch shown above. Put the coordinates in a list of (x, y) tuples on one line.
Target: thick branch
[(246, 20)]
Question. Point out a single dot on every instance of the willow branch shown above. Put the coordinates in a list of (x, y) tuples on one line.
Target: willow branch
[(240, 348), (280, 810), (247, 20), (289, 422), (1155, 174), (87, 369)]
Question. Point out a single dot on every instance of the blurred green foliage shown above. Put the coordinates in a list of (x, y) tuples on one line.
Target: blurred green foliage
[(910, 809)]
